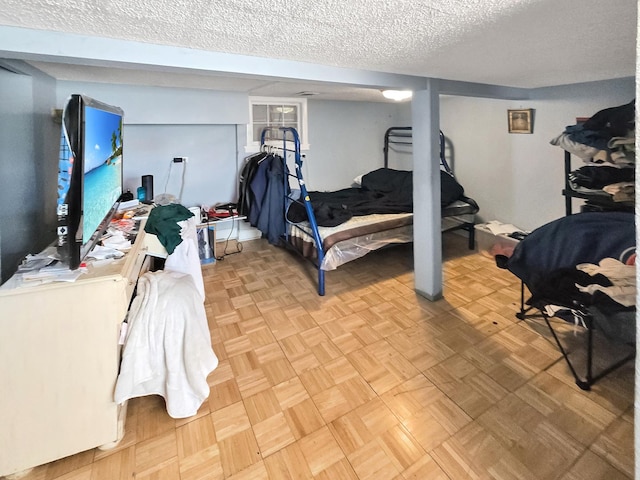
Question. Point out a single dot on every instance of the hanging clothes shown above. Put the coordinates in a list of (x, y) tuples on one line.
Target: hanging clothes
[(246, 174), (258, 188), (271, 220)]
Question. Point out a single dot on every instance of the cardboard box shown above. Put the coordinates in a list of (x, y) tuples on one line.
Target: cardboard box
[(492, 244)]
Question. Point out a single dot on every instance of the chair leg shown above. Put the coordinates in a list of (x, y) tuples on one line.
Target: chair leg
[(589, 379), (583, 384), (524, 312)]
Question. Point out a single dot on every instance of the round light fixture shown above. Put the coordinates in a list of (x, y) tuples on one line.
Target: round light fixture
[(397, 95)]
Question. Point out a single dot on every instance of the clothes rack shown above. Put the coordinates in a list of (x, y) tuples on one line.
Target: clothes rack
[(305, 200)]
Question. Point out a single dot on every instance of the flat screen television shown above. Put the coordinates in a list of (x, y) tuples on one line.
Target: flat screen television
[(89, 175)]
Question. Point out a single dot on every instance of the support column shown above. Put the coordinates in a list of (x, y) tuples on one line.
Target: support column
[(427, 236)]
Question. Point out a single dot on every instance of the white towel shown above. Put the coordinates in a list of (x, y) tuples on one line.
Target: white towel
[(185, 257), (168, 347)]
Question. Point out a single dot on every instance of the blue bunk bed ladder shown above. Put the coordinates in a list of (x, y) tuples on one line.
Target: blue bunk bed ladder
[(304, 194)]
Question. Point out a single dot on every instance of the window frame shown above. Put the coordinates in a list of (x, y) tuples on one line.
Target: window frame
[(302, 125)]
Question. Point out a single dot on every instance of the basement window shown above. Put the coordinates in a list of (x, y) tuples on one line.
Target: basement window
[(276, 112)]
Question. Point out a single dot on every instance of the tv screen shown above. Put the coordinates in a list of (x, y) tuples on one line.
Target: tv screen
[(102, 167), (89, 175)]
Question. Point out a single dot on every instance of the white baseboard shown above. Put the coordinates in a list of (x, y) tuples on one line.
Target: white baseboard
[(238, 230)]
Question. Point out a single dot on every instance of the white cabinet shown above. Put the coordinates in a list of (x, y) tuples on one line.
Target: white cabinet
[(59, 358)]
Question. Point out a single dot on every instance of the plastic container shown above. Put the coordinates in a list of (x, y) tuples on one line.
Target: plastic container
[(206, 243), (142, 194), (492, 244)]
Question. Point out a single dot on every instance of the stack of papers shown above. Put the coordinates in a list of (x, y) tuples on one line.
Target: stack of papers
[(43, 267), (101, 252), (115, 241), (56, 272)]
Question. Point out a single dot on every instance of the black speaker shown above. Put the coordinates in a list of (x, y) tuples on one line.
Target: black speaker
[(147, 183)]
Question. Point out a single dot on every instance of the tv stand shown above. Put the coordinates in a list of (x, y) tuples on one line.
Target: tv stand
[(60, 358)]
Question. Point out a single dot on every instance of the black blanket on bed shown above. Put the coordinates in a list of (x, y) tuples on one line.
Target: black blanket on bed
[(383, 191)]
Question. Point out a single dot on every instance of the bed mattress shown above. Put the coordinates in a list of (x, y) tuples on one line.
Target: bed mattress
[(353, 238)]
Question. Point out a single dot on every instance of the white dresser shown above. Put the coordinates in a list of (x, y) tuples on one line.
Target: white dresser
[(59, 358)]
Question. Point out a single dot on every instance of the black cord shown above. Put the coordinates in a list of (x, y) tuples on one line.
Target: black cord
[(226, 243)]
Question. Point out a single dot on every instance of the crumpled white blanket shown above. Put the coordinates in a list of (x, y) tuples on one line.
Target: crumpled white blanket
[(168, 350)]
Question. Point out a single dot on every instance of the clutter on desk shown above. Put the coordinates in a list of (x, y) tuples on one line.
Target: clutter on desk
[(105, 252), (46, 267), (135, 212), (54, 272), (40, 268), (34, 262), (129, 205), (222, 210)]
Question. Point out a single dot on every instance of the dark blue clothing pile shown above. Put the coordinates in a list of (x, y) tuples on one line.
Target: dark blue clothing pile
[(262, 194), (604, 125)]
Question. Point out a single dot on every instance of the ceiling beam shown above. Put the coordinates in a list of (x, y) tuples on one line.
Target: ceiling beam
[(40, 45)]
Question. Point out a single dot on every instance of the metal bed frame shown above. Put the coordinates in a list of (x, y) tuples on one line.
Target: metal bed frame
[(466, 205), (304, 194), (291, 145)]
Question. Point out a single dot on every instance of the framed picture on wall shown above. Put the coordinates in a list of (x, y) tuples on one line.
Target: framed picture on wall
[(521, 120)]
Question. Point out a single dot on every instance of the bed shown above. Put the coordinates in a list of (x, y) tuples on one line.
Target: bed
[(332, 228), (458, 210)]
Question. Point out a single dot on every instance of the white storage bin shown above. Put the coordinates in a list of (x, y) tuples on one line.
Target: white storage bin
[(492, 244)]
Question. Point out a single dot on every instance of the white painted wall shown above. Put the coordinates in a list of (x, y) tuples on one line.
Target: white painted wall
[(347, 139), (209, 174), (517, 178), (164, 105)]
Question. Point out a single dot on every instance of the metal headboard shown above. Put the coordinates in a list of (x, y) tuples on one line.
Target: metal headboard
[(404, 136)]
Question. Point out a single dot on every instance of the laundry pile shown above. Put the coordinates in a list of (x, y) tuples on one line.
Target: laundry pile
[(606, 143), (167, 346)]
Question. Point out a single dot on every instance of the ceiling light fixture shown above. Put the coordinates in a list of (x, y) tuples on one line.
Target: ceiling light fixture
[(397, 95)]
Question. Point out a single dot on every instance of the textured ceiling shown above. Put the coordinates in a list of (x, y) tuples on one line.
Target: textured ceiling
[(517, 43)]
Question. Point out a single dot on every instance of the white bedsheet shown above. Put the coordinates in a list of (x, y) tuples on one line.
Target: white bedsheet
[(168, 350)]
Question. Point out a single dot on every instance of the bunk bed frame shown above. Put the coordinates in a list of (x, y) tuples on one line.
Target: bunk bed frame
[(462, 211), (304, 194), (376, 232)]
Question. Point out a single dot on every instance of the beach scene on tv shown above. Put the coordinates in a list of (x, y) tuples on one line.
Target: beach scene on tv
[(102, 167)]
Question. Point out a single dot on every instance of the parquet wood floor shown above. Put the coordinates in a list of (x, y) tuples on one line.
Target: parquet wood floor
[(374, 382)]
